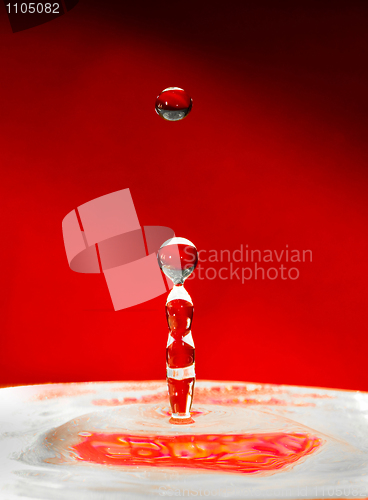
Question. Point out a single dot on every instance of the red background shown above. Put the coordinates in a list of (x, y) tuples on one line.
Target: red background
[(274, 152)]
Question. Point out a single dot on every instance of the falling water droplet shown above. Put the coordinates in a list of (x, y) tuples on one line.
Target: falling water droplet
[(173, 104)]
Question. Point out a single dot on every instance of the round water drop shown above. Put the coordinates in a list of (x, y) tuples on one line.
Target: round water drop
[(177, 259), (173, 104)]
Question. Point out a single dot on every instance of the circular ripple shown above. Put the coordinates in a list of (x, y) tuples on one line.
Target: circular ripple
[(231, 439)]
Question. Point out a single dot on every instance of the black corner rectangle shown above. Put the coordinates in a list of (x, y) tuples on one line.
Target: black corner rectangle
[(69, 4)]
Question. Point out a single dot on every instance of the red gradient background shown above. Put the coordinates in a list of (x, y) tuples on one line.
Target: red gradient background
[(274, 152)]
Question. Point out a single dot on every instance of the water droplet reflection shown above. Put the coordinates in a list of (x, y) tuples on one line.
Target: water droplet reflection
[(173, 104)]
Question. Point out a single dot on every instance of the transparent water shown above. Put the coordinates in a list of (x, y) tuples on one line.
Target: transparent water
[(114, 440)]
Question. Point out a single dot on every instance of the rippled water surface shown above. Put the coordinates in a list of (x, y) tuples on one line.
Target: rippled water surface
[(114, 440)]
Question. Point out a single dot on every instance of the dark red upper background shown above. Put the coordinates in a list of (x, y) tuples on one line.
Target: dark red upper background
[(274, 153)]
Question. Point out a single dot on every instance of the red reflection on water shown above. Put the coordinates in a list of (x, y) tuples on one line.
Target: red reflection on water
[(246, 453)]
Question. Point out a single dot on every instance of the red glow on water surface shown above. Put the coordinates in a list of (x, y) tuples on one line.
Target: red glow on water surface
[(243, 453)]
